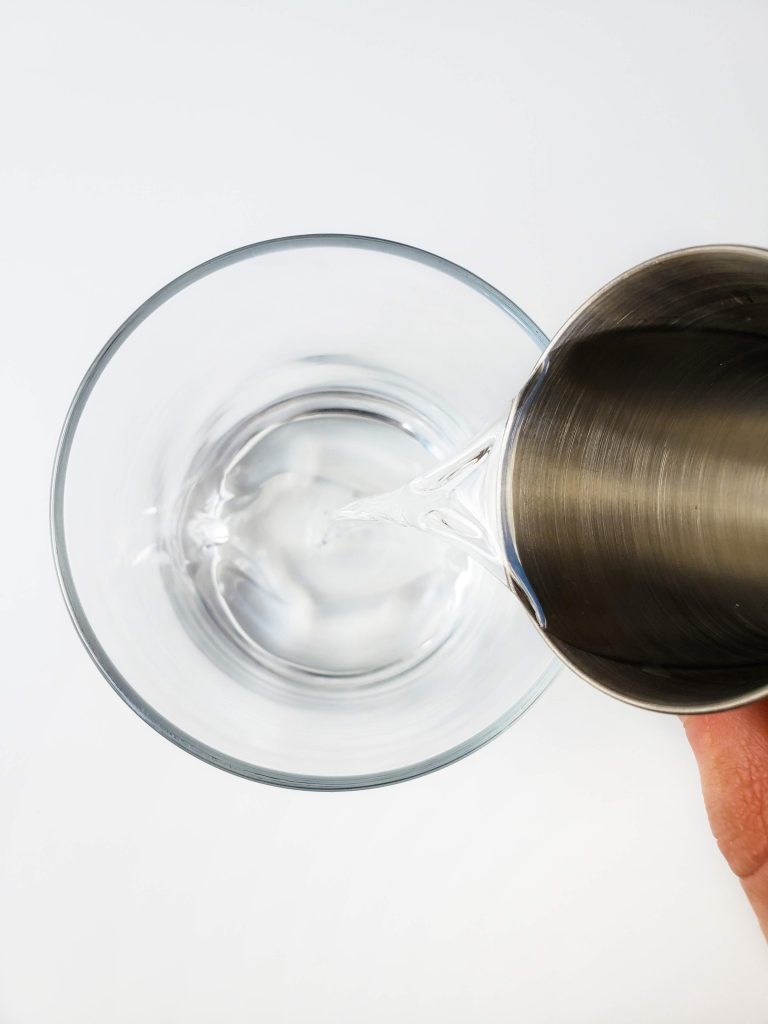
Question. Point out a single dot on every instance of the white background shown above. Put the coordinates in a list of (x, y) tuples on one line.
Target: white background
[(564, 873)]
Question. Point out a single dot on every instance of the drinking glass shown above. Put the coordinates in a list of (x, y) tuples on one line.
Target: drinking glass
[(196, 487)]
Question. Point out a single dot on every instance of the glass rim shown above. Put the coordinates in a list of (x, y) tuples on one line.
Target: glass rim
[(66, 579)]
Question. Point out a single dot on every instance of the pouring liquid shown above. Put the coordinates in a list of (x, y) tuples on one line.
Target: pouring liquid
[(450, 501)]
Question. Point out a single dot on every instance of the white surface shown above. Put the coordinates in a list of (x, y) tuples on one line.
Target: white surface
[(566, 872)]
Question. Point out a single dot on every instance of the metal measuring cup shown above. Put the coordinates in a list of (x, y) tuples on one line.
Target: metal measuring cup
[(636, 485)]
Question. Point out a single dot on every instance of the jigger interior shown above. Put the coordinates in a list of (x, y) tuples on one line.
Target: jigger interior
[(637, 483)]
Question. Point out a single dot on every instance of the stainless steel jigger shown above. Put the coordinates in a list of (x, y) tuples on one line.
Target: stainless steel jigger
[(637, 483)]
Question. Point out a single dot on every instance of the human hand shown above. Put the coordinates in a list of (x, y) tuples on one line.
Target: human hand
[(731, 748)]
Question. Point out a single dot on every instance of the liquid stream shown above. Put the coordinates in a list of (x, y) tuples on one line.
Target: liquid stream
[(454, 501)]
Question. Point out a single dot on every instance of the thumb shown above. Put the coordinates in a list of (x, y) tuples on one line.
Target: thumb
[(731, 749)]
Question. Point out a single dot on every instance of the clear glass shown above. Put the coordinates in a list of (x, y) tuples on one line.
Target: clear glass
[(195, 506)]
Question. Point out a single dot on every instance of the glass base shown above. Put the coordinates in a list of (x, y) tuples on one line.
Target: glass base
[(253, 547)]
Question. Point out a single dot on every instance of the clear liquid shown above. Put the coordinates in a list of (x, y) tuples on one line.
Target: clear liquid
[(453, 502), (276, 571)]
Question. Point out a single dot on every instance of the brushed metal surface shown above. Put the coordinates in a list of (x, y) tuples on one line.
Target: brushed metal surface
[(637, 483)]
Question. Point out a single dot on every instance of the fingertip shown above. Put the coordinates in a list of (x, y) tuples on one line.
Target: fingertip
[(731, 749)]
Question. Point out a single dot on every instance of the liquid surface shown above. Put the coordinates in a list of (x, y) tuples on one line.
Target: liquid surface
[(298, 598)]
